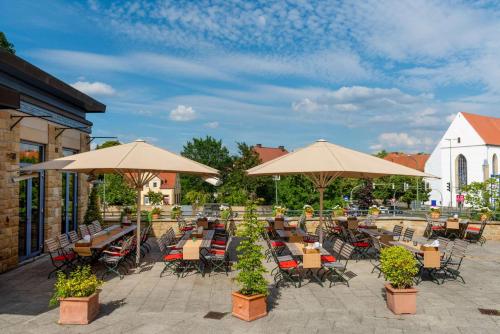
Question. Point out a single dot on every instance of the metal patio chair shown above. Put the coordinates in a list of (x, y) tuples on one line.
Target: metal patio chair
[(84, 230), (73, 236), (408, 235), (338, 269), (60, 259), (114, 259), (397, 230)]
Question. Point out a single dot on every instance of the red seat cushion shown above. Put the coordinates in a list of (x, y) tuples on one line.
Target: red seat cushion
[(173, 257), (217, 251), (362, 244), (187, 228), (219, 226), (66, 257), (277, 244), (328, 258), (219, 242), (288, 264), (437, 228), (473, 228)]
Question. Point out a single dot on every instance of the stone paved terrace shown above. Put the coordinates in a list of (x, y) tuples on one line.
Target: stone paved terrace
[(146, 303)]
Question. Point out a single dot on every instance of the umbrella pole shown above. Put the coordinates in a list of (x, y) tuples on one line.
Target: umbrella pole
[(321, 190), (138, 233)]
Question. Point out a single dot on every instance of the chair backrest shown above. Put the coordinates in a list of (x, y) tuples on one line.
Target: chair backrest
[(97, 226), (376, 244), (346, 252), (232, 227), (52, 245), (63, 240), (91, 229), (84, 230), (397, 230), (73, 236), (302, 222), (337, 246), (408, 235), (443, 242)]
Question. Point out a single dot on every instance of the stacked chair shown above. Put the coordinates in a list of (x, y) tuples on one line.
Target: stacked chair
[(61, 257), (337, 270)]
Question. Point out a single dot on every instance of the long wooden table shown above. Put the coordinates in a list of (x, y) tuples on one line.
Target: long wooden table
[(287, 234), (102, 239), (206, 241), (383, 236)]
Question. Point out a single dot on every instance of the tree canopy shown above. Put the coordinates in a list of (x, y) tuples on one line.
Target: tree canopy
[(5, 44)]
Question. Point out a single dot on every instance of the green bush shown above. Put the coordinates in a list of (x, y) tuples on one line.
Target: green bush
[(399, 266), (250, 256), (93, 212), (80, 283)]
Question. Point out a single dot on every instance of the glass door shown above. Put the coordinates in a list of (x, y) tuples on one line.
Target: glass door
[(69, 212), (31, 201)]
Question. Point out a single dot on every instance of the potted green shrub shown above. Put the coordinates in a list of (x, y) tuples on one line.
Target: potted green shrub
[(77, 295), (155, 213), (249, 303), (225, 212), (435, 212), (176, 211), (337, 211), (399, 267), (485, 213), (279, 211), (308, 211), (374, 210)]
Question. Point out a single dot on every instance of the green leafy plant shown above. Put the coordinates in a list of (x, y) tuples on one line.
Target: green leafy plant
[(250, 256), (308, 209), (373, 210), (279, 210), (175, 212), (80, 283), (434, 209), (156, 211), (338, 211), (93, 212), (225, 212), (155, 198), (399, 266)]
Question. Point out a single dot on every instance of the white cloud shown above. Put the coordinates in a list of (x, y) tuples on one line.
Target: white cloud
[(403, 141), (182, 113), (94, 88), (212, 125)]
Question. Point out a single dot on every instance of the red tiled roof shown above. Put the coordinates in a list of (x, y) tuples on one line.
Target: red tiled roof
[(487, 127), (269, 153), (167, 180), (416, 161)]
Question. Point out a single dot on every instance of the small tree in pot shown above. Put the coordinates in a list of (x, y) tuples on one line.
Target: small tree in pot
[(78, 296), (249, 303), (399, 267)]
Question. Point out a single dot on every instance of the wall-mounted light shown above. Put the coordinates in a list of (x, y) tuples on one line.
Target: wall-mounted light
[(12, 155)]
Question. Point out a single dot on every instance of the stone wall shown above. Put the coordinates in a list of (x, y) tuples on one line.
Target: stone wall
[(9, 193)]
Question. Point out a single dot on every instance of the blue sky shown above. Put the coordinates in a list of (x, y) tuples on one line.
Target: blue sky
[(368, 75)]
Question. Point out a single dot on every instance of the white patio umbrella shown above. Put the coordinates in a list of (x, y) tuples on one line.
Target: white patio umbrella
[(139, 162), (323, 162)]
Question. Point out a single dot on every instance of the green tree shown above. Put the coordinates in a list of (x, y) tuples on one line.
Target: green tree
[(5, 44), (365, 194), (250, 254), (482, 194), (155, 198), (208, 151), (93, 212), (381, 154)]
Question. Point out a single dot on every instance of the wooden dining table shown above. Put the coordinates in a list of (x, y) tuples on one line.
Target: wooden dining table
[(384, 236), (297, 234), (102, 239), (191, 248), (310, 261)]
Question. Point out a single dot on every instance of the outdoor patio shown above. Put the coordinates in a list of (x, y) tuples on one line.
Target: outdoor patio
[(146, 303)]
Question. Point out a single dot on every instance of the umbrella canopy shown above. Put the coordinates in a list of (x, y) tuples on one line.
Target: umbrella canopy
[(322, 162), (139, 162)]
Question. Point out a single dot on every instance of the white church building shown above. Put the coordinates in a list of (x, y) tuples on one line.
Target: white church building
[(468, 152)]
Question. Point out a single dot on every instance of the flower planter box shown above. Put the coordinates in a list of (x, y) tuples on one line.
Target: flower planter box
[(401, 301), (435, 215), (78, 310), (309, 214), (249, 308), (155, 216)]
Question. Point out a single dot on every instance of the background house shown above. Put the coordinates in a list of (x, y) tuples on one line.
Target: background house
[(166, 183), (468, 152), (41, 118), (416, 161), (269, 153)]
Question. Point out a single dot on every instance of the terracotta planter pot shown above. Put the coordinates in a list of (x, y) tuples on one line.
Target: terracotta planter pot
[(435, 215), (401, 301), (309, 215), (484, 218), (78, 310), (249, 308), (155, 216)]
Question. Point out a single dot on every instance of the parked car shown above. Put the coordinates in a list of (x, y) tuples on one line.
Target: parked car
[(384, 210)]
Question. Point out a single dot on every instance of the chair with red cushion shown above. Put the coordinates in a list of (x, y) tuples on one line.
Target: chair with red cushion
[(361, 244), (217, 258), (60, 260), (172, 258), (287, 270), (474, 233), (114, 257), (337, 270)]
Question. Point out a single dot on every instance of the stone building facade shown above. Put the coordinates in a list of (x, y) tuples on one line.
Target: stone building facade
[(41, 118)]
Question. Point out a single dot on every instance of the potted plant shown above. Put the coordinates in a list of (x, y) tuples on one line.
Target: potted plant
[(485, 213), (374, 210), (279, 211), (249, 303), (176, 211), (155, 213), (399, 266), (338, 211), (308, 210), (125, 216), (225, 212), (435, 212), (77, 295)]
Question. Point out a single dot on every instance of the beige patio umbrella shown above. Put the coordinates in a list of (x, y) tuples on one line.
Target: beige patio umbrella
[(139, 162), (323, 162)]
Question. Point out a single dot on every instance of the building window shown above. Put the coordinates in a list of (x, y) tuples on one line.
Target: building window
[(146, 200), (166, 199), (494, 164), (461, 171), (69, 196), (155, 184)]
